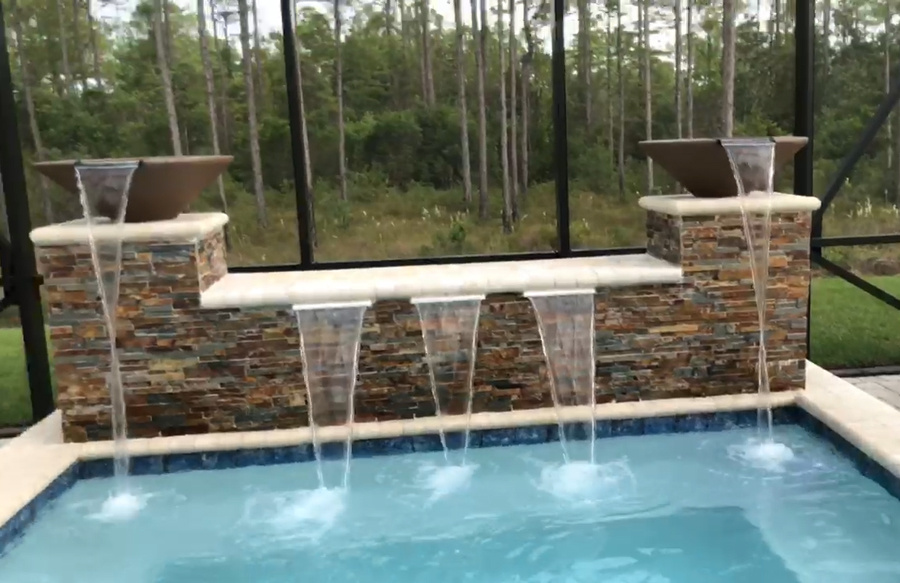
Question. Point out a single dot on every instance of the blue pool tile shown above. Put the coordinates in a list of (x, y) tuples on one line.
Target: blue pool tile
[(659, 425), (89, 469), (457, 439), (251, 457), (397, 445), (784, 415), (498, 437), (532, 435), (720, 421), (426, 443), (294, 454), (369, 448), (602, 428), (184, 462), (332, 451), (745, 418), (147, 465), (690, 423), (624, 427)]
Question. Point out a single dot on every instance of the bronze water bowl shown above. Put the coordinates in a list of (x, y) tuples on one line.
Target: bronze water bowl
[(701, 164), (161, 187)]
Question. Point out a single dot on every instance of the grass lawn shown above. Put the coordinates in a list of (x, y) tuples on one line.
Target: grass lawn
[(849, 329)]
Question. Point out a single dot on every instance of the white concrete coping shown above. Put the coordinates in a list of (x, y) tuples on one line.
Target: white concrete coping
[(686, 205), (249, 290), (186, 228)]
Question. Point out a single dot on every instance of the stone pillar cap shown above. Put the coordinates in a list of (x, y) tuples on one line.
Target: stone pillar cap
[(686, 205), (186, 228)]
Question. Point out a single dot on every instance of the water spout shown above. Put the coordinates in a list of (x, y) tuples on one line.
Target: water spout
[(566, 323), (449, 329), (752, 162), (106, 185), (329, 347)]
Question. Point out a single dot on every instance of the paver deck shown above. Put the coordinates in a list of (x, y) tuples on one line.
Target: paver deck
[(885, 388)]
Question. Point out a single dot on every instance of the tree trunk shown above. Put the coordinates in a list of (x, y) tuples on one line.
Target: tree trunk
[(166, 76), (167, 33), (339, 92), (648, 91), (210, 94), (95, 50), (526, 89), (256, 162), (585, 65), (513, 121), (40, 153), (887, 89), (776, 11), (678, 67), (621, 81), (76, 43), (64, 48), (504, 146), (481, 64), (304, 127), (427, 69), (689, 79), (461, 98), (223, 81), (257, 60), (826, 41), (610, 117), (728, 47), (420, 46)]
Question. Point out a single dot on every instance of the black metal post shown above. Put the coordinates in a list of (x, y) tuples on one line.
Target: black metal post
[(26, 281), (305, 227), (804, 117), (804, 95), (560, 131)]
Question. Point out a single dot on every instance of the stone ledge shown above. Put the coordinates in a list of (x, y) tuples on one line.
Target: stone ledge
[(186, 228), (686, 205), (252, 290)]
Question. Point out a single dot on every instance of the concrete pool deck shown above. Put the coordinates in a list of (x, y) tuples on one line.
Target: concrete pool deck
[(32, 461)]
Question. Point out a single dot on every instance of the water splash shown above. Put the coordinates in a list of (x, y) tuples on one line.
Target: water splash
[(103, 190), (441, 481), (566, 323), (764, 454), (582, 482), (120, 507), (329, 347)]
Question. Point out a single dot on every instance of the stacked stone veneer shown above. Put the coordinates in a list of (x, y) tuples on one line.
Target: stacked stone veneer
[(193, 370)]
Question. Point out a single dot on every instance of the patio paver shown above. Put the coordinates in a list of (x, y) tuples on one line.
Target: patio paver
[(886, 388)]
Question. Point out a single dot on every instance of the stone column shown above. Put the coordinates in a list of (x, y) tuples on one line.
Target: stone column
[(185, 369), (701, 338)]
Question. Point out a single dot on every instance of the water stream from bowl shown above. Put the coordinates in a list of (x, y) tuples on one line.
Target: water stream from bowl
[(103, 188), (752, 162)]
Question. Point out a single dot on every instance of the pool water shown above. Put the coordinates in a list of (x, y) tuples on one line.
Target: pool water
[(682, 508)]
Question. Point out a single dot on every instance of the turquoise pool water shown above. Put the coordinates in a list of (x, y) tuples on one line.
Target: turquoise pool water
[(683, 508)]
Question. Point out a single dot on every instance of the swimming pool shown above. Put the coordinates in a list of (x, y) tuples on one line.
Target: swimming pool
[(676, 508)]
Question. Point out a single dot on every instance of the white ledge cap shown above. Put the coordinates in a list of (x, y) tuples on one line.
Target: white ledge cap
[(185, 228), (686, 205)]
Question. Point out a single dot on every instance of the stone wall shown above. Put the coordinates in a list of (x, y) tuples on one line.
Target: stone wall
[(190, 370)]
